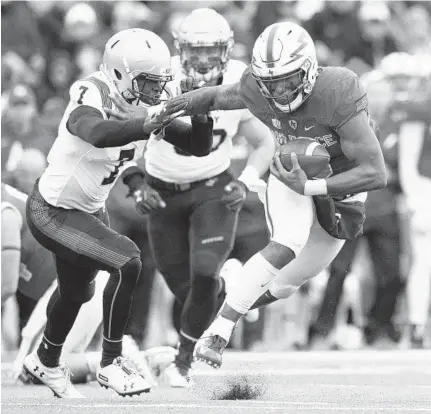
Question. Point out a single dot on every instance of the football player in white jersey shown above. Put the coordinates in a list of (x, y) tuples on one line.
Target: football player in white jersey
[(66, 209), (192, 236)]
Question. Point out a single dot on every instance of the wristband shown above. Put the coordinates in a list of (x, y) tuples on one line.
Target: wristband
[(249, 176), (315, 187)]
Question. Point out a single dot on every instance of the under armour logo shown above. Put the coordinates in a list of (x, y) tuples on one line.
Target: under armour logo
[(41, 374)]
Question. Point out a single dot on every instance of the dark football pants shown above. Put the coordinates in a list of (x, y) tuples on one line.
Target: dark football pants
[(83, 244), (382, 234), (135, 227), (191, 239)]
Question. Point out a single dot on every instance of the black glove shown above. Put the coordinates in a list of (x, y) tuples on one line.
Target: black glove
[(147, 199), (234, 195)]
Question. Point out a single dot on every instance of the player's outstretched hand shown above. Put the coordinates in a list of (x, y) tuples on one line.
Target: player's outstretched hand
[(295, 179), (148, 200), (123, 110), (190, 83), (234, 195)]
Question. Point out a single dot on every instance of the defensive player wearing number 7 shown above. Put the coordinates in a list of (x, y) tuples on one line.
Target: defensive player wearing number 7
[(66, 209)]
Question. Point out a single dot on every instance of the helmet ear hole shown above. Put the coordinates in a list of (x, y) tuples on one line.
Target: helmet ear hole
[(118, 74)]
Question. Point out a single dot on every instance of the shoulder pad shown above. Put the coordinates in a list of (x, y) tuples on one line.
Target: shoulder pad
[(92, 92), (234, 72), (340, 95)]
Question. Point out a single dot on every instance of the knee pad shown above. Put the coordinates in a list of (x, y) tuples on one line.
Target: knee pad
[(78, 292), (208, 263), (131, 270)]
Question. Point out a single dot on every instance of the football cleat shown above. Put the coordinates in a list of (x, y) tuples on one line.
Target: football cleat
[(210, 349), (132, 352), (179, 376), (123, 377), (57, 379)]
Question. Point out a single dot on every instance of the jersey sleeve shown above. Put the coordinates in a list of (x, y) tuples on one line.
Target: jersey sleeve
[(252, 96), (350, 98), (87, 93)]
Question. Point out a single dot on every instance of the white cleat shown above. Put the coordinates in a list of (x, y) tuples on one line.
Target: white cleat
[(179, 377), (131, 351), (159, 358), (57, 379), (123, 377)]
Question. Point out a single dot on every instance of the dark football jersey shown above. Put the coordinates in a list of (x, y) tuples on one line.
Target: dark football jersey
[(38, 260), (337, 97)]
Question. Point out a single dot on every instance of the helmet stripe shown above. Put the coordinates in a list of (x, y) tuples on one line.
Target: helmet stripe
[(270, 44)]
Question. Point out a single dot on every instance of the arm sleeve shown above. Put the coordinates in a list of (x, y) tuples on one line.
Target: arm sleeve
[(195, 139), (88, 124)]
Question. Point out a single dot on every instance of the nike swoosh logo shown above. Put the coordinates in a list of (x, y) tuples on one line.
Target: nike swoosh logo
[(267, 283), (309, 128)]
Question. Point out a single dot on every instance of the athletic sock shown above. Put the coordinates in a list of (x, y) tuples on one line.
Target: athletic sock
[(252, 281), (110, 351), (185, 350), (49, 353)]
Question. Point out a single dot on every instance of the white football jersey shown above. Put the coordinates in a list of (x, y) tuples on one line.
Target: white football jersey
[(169, 164), (79, 175)]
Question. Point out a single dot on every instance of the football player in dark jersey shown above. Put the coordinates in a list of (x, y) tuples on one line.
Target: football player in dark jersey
[(309, 219)]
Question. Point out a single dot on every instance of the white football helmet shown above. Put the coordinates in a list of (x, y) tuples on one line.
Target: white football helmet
[(284, 65), (204, 42), (409, 74), (131, 58)]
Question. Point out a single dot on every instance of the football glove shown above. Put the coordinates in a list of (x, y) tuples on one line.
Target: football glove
[(234, 195), (147, 199)]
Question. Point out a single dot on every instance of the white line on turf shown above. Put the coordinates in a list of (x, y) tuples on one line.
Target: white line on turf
[(235, 404)]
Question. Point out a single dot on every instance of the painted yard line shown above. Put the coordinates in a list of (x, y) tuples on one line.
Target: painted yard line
[(283, 406), (348, 370), (315, 371)]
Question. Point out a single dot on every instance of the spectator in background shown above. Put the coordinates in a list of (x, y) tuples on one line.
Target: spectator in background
[(61, 73), (29, 168), (419, 30), (335, 29), (271, 12), (21, 127), (375, 40), (21, 34), (51, 114), (129, 14)]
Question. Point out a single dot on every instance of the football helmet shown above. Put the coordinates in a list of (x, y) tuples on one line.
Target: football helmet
[(284, 65), (204, 42), (131, 58), (409, 74)]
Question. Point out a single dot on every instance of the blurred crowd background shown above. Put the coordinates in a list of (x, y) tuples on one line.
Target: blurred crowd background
[(361, 300)]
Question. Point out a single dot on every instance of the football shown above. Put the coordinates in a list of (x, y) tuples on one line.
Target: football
[(312, 157)]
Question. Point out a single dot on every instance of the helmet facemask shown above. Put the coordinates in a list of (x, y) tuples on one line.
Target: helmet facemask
[(204, 61), (287, 92), (148, 89)]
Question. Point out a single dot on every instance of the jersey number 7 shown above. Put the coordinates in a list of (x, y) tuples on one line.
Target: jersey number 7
[(125, 155)]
